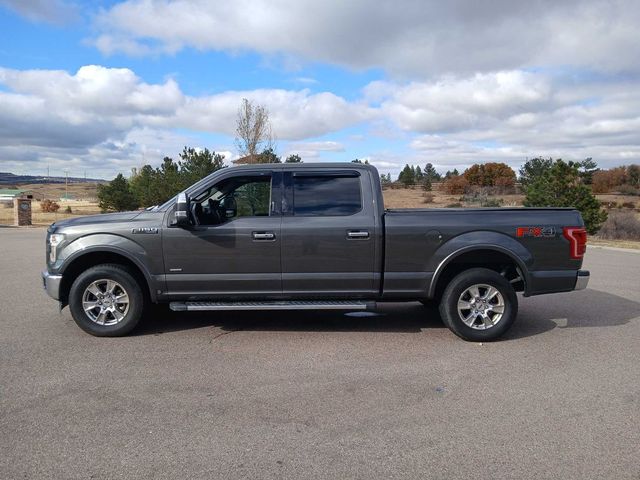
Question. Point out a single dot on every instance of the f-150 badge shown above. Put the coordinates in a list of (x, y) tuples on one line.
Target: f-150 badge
[(150, 230)]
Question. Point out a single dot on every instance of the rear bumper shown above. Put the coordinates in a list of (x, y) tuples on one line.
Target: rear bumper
[(582, 280), (554, 281), (51, 284)]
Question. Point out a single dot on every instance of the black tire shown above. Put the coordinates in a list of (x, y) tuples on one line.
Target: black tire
[(459, 285), (126, 282)]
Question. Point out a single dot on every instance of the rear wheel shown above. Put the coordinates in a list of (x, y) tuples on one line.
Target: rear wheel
[(479, 305), (106, 301)]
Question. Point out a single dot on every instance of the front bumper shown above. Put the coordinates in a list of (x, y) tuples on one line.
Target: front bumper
[(582, 280), (51, 284)]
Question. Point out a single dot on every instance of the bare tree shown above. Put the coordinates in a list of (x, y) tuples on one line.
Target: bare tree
[(253, 132)]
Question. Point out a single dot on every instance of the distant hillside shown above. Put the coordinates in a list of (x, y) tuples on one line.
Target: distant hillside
[(7, 178)]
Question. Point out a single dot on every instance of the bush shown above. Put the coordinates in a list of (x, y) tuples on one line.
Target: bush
[(622, 179), (49, 206), (490, 175), (473, 197), (481, 197), (629, 190), (427, 198), (68, 209), (454, 205), (492, 202), (455, 185), (628, 205), (621, 226), (608, 205)]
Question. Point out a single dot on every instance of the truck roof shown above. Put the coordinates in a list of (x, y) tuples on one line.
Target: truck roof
[(303, 166)]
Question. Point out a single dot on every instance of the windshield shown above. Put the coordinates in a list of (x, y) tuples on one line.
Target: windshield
[(164, 205)]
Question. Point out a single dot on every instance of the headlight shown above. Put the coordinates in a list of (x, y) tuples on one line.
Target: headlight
[(55, 239)]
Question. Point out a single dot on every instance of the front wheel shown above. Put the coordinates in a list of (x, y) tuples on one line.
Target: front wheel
[(479, 305), (106, 301)]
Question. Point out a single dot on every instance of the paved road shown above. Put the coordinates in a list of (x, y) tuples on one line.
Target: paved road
[(315, 395)]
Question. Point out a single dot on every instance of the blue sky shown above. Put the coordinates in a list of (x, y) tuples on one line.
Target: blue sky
[(105, 86)]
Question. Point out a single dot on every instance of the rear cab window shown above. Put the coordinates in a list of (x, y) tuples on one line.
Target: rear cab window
[(326, 194)]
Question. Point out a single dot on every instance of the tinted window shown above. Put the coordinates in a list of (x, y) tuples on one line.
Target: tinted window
[(326, 195)]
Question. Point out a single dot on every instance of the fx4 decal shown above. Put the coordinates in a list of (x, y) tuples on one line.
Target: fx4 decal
[(537, 232)]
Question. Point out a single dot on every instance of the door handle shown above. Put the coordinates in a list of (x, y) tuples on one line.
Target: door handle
[(358, 235), (264, 235)]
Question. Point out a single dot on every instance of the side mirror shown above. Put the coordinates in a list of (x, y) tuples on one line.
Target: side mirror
[(182, 210), (229, 207)]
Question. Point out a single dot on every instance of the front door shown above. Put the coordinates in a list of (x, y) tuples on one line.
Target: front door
[(328, 236), (233, 248)]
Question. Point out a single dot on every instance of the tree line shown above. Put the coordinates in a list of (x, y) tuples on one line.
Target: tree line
[(149, 186), (545, 183)]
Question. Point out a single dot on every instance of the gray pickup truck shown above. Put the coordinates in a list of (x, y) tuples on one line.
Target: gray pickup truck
[(310, 236)]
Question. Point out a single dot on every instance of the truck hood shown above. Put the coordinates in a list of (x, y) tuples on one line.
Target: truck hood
[(96, 219)]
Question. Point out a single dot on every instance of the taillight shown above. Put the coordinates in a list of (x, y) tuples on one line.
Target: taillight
[(577, 237)]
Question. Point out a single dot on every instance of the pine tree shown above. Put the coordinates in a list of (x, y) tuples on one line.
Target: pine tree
[(116, 196), (560, 185), (143, 184), (407, 176), (269, 156), (196, 164), (431, 173)]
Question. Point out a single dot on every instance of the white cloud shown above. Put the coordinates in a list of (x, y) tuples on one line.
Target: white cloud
[(511, 115), (323, 146), (461, 103), (111, 114), (312, 151), (58, 12), (109, 119), (412, 37), (294, 114)]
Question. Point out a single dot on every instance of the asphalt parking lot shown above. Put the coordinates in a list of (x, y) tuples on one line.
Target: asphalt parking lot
[(320, 395)]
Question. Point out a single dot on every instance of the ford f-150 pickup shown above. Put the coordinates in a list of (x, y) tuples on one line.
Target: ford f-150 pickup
[(310, 236)]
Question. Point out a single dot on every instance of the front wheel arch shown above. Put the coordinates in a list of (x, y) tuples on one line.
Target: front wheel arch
[(90, 259)]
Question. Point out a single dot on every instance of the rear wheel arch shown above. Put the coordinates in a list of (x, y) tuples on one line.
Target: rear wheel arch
[(493, 257)]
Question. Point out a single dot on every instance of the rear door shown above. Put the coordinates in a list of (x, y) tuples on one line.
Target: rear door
[(328, 236)]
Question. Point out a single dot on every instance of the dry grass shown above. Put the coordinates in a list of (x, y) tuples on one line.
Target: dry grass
[(621, 225), (78, 208), (84, 202), (55, 191), (598, 242), (414, 198), (618, 199)]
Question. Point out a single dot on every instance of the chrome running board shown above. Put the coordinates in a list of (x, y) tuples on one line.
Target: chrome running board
[(273, 305)]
